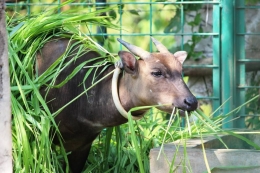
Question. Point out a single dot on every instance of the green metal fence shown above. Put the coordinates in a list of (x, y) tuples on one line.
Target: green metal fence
[(243, 90), (166, 21)]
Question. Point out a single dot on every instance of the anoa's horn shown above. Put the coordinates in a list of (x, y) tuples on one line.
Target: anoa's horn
[(134, 49), (160, 47)]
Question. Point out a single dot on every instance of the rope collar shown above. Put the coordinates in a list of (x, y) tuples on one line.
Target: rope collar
[(115, 96)]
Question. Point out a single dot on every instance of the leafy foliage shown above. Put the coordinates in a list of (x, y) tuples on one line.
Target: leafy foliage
[(253, 108)]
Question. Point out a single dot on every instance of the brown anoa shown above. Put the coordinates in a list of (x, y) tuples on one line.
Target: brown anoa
[(154, 79)]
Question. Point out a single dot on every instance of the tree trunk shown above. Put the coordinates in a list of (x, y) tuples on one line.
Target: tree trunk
[(5, 108)]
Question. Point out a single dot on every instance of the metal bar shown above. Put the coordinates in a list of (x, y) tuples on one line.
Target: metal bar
[(182, 25), (101, 29), (182, 42), (216, 58), (28, 8), (248, 60), (248, 7), (249, 33), (254, 115), (120, 22), (205, 97), (227, 64), (201, 66), (115, 3), (244, 87), (59, 2), (240, 80), (151, 23), (157, 34)]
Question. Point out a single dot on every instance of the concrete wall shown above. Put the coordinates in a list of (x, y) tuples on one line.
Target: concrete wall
[(239, 158)]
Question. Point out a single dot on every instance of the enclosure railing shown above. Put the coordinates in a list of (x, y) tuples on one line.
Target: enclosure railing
[(241, 88), (228, 42)]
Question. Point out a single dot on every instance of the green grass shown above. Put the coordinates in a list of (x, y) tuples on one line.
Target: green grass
[(126, 148), (33, 150)]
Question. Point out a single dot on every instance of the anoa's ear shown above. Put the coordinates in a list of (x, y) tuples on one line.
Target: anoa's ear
[(180, 56), (129, 61)]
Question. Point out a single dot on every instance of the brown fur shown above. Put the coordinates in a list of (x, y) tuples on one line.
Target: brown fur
[(82, 121)]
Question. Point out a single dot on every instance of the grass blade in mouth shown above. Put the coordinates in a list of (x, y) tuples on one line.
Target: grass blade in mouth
[(168, 126)]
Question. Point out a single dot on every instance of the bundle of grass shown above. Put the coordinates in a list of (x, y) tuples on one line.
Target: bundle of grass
[(32, 120)]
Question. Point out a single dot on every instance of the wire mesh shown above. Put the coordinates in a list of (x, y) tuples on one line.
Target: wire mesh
[(203, 28)]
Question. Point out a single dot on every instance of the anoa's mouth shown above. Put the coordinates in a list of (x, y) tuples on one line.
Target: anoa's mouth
[(171, 109), (182, 112), (175, 110)]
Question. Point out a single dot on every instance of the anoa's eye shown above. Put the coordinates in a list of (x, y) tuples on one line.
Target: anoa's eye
[(157, 73)]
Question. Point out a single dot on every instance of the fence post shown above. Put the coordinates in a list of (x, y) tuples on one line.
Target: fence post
[(240, 65), (227, 60), (5, 109), (216, 58)]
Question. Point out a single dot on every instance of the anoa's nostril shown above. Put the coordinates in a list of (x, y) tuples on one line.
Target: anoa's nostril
[(191, 103)]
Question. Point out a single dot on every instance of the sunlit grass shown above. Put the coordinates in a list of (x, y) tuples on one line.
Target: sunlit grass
[(33, 125), (130, 144)]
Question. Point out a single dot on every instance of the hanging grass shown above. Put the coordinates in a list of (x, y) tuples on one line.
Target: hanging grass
[(33, 122)]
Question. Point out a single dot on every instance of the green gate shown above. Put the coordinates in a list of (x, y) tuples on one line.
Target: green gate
[(167, 22)]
